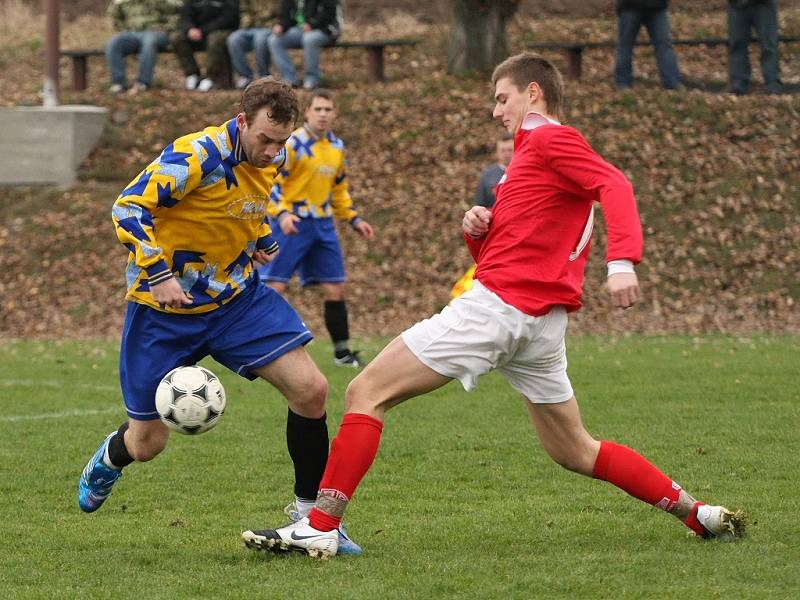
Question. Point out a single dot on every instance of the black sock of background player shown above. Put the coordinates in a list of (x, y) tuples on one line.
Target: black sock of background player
[(338, 327)]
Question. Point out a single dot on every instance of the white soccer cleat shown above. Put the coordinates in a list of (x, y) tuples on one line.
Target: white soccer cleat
[(720, 523), (298, 537)]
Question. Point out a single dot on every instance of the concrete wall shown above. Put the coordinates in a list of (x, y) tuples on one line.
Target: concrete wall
[(44, 146)]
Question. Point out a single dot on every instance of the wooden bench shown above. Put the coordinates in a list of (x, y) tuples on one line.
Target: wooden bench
[(574, 50), (374, 48)]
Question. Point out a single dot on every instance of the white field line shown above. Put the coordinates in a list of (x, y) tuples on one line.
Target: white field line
[(49, 383), (58, 415), (52, 383)]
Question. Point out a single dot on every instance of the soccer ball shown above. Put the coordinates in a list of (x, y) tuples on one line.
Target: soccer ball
[(190, 400)]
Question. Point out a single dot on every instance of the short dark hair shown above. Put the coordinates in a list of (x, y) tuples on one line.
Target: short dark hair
[(524, 68), (320, 93), (276, 96)]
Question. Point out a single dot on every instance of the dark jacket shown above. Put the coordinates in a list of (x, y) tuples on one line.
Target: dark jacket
[(320, 14), (746, 3), (649, 5), (209, 15)]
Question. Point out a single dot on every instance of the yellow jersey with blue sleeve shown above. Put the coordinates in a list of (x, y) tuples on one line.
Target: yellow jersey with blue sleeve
[(313, 180), (198, 212)]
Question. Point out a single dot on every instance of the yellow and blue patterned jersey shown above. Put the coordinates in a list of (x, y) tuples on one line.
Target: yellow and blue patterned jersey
[(198, 212), (313, 180)]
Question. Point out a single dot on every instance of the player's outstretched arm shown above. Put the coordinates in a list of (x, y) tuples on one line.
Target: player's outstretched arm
[(624, 289)]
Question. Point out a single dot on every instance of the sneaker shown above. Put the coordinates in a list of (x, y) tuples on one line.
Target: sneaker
[(720, 523), (351, 359), (97, 479), (192, 81), (298, 536), (241, 82), (116, 88), (205, 85), (138, 88), (310, 84), (347, 547)]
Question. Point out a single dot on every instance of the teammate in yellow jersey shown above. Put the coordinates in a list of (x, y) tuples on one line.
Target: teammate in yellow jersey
[(310, 190)]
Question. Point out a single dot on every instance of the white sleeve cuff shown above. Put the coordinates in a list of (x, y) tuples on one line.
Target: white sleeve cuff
[(622, 265)]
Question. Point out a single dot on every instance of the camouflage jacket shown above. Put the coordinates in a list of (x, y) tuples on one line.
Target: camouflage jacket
[(145, 15), (258, 13)]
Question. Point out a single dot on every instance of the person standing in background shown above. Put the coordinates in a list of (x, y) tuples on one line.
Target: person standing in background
[(309, 191), (632, 14), (485, 196), (743, 16)]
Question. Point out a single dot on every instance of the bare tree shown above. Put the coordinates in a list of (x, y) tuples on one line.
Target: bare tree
[(478, 34)]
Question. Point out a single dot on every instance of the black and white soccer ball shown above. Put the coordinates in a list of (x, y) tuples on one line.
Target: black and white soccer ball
[(190, 400)]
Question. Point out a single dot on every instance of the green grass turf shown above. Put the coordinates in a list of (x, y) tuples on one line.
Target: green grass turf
[(461, 502)]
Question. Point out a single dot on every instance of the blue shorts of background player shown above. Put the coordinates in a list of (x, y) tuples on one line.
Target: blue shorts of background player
[(314, 252), (253, 329)]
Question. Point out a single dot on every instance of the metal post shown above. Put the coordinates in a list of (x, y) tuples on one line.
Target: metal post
[(52, 52)]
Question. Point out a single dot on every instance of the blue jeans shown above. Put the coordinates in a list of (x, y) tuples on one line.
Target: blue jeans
[(657, 24), (146, 43), (764, 19), (310, 42), (242, 41)]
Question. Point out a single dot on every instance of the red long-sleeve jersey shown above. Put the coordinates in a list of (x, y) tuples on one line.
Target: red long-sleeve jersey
[(535, 252)]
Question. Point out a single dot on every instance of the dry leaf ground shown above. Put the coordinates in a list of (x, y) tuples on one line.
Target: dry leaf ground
[(717, 179)]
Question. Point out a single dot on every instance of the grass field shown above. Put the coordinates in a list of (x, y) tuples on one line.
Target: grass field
[(461, 502)]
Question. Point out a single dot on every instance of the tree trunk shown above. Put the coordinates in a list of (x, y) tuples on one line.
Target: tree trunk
[(478, 34)]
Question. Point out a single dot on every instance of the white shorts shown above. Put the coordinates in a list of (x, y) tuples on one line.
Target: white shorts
[(478, 332)]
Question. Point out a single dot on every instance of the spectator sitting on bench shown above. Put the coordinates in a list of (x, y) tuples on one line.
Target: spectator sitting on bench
[(142, 27), (761, 15), (632, 14), (255, 28), (308, 25), (205, 25)]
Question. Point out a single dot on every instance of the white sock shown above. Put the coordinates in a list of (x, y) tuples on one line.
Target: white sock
[(303, 506), (107, 461)]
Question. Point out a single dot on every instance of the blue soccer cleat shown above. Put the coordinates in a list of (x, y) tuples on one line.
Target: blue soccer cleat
[(347, 547), (97, 479)]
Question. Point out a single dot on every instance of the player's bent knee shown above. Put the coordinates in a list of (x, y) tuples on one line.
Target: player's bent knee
[(362, 396), (313, 395), (576, 460)]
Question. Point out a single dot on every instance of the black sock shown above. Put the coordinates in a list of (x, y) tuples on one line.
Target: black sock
[(307, 441), (117, 452), (338, 327)]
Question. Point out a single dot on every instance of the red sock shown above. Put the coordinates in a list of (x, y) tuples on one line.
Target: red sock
[(692, 522), (352, 452), (633, 473)]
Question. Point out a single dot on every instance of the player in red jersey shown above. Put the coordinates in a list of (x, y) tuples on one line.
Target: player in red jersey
[(531, 249)]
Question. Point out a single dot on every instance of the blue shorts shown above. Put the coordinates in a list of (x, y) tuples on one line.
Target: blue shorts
[(314, 251), (253, 329)]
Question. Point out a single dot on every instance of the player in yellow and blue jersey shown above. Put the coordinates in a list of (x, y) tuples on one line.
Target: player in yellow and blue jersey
[(195, 223), (310, 190)]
